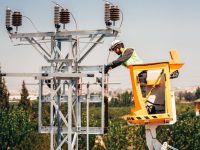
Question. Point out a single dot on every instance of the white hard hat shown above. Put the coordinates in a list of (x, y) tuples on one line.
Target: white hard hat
[(115, 43)]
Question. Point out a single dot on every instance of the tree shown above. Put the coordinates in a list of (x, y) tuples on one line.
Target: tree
[(197, 93), (24, 101), (114, 102), (189, 96), (4, 94), (15, 125), (34, 141), (180, 95), (124, 99)]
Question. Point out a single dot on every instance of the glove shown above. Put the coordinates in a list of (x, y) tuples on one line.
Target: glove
[(107, 68)]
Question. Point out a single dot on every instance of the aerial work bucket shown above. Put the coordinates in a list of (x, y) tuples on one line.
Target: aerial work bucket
[(153, 99)]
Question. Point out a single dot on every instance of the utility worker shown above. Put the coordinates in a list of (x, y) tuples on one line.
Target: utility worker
[(127, 56)]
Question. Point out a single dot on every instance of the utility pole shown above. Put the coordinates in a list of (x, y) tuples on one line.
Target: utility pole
[(63, 74)]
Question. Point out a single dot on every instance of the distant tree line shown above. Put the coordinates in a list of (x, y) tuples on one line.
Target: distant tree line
[(188, 96), (122, 100), (126, 98)]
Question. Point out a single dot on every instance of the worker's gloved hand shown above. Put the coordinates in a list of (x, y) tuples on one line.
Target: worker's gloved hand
[(107, 68)]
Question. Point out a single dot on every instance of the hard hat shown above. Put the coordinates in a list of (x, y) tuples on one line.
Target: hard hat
[(115, 43)]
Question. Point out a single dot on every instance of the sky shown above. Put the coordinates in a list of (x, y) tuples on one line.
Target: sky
[(151, 27)]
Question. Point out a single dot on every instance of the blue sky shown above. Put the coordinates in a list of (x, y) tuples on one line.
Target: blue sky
[(151, 27)]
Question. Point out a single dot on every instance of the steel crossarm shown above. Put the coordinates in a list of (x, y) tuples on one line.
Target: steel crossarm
[(65, 34)]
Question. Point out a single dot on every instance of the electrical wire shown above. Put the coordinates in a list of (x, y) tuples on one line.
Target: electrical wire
[(34, 26), (32, 23), (74, 21), (108, 57), (57, 4), (77, 38), (121, 19), (116, 34)]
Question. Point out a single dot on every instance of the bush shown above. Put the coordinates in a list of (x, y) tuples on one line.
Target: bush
[(185, 134), (15, 125)]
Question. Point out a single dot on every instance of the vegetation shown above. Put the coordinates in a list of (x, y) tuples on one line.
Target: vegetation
[(197, 93), (4, 95), (18, 127), (15, 125), (122, 100), (189, 96), (119, 136), (184, 134), (24, 101)]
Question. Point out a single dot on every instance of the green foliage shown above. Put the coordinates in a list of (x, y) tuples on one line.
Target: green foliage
[(122, 136), (35, 141), (116, 138), (18, 130), (185, 134), (95, 120), (181, 108), (180, 95), (24, 101), (116, 113), (122, 100), (189, 96), (15, 125), (4, 95), (197, 93)]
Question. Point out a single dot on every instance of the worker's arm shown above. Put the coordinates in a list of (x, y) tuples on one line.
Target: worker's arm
[(122, 59)]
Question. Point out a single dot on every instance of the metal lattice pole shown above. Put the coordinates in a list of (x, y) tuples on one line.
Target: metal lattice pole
[(61, 78)]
